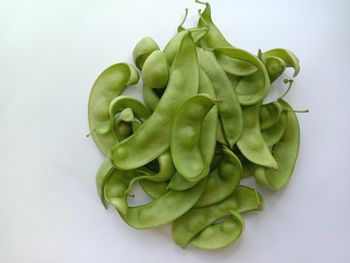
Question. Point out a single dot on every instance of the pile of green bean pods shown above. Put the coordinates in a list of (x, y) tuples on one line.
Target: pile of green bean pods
[(202, 128)]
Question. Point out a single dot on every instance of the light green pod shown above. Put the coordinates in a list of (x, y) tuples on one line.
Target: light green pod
[(269, 114), (252, 88), (223, 180), (220, 235), (104, 172), (154, 135), (179, 183), (275, 67), (251, 144), (155, 71), (123, 124), (192, 223), (171, 49), (287, 56), (150, 98), (164, 209), (185, 137), (108, 85), (230, 112), (274, 134), (285, 153), (235, 66), (142, 50), (154, 189)]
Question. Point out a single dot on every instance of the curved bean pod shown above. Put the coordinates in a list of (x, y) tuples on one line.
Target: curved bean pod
[(165, 209), (287, 56), (188, 226), (235, 66), (269, 114), (274, 134), (275, 67), (104, 172), (183, 83), (251, 144), (123, 125), (255, 87), (285, 153), (230, 112), (222, 181), (108, 85), (155, 71), (154, 189), (220, 235), (185, 137), (179, 183), (142, 50)]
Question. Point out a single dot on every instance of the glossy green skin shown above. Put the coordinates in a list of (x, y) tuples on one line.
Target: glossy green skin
[(214, 38), (154, 189), (252, 88), (274, 134), (155, 71), (251, 144), (220, 235), (142, 50), (116, 191), (230, 112), (285, 153), (188, 226), (185, 137), (108, 85), (287, 56), (179, 183), (222, 181), (104, 172), (235, 66), (153, 140), (164, 209), (269, 114)]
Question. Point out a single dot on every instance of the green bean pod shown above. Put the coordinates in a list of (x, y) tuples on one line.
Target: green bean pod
[(192, 223), (155, 71), (123, 124), (269, 114), (275, 67), (185, 137), (179, 183), (164, 209), (252, 88), (251, 144), (104, 172), (154, 135), (222, 181), (274, 134), (285, 153), (230, 112), (154, 189), (142, 50), (220, 235), (287, 56), (108, 85)]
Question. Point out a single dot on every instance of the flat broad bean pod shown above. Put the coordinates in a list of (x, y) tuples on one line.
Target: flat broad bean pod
[(269, 114), (185, 137), (230, 112), (223, 180), (251, 143), (192, 223), (108, 85), (285, 152), (142, 50), (153, 136)]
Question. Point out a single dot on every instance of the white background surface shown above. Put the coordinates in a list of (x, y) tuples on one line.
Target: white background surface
[(50, 54)]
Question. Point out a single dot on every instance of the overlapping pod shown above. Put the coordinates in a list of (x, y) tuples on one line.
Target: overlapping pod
[(285, 152), (186, 134), (153, 136), (142, 50), (108, 85), (251, 143)]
